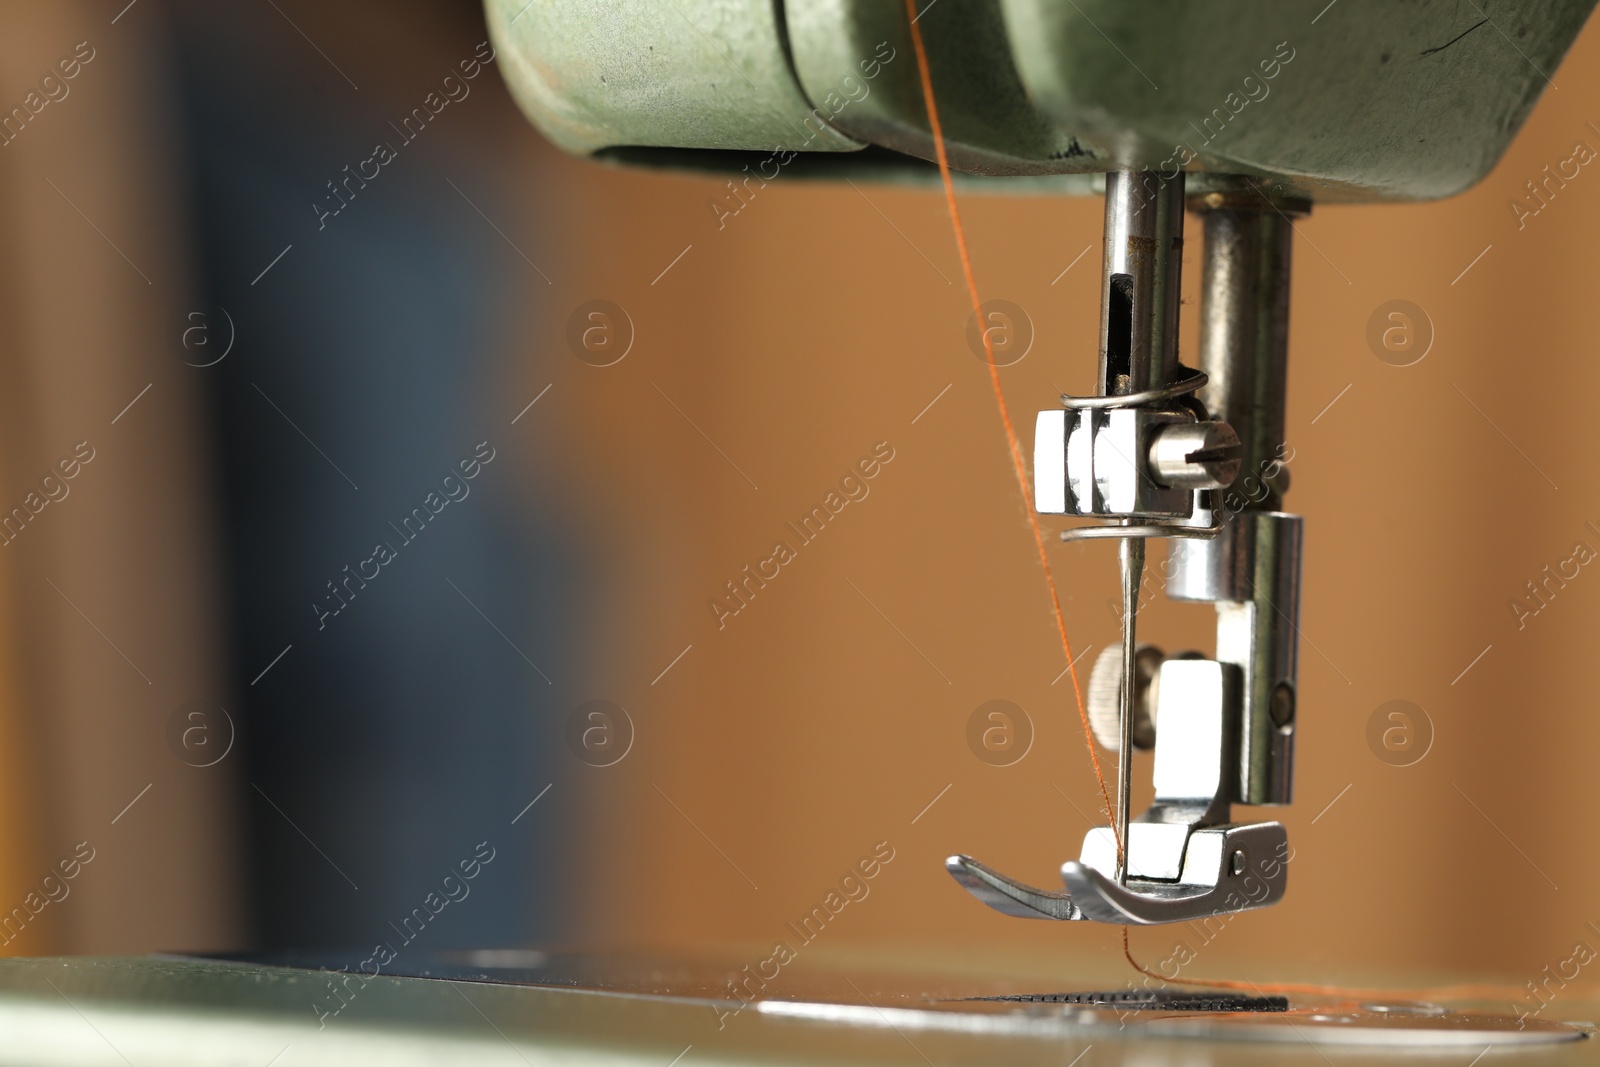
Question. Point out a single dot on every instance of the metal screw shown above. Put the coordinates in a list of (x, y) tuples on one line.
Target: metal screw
[(1195, 455), (1238, 861), (1104, 698), (1281, 705)]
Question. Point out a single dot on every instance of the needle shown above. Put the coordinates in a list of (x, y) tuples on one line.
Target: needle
[(1132, 557)]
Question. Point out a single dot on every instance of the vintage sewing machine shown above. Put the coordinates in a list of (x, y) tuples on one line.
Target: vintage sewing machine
[(1243, 113), (1261, 110)]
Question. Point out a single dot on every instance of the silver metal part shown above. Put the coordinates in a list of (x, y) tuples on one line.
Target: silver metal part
[(1206, 888), (1107, 450), (1131, 554), (1181, 857), (1139, 284), (1098, 457), (1157, 462), (1113, 446), (1103, 697), (1107, 473), (1180, 854), (1193, 775), (1142, 451), (1244, 331), (1195, 455), (1251, 571), (1193, 771), (1182, 387), (1010, 897), (1194, 527), (1050, 463), (1095, 462), (1408, 1031)]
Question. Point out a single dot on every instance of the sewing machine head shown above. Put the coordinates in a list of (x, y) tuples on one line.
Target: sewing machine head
[(1244, 114)]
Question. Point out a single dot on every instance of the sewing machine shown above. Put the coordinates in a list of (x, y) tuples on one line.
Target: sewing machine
[(1260, 113), (1263, 109)]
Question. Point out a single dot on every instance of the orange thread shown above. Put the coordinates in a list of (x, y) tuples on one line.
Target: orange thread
[(1224, 983), (1000, 399), (1463, 992)]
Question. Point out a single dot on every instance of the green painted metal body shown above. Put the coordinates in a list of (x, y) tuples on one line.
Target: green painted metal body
[(697, 74), (1357, 100)]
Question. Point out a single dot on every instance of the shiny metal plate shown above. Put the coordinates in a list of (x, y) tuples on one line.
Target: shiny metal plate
[(522, 1007)]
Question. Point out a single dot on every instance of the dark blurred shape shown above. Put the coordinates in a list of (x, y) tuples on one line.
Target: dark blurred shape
[(397, 733)]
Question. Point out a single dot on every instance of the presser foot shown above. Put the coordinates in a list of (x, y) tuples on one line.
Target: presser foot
[(1225, 869), (1184, 859), (1010, 897)]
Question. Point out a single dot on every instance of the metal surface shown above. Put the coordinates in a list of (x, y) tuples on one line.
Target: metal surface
[(1167, 999), (1103, 697), (531, 1009), (1196, 529), (1108, 472), (1207, 887), (1328, 106), (1251, 571), (1184, 860), (1182, 387), (1009, 896), (1130, 555), (1195, 455), (1192, 777), (1101, 465), (1244, 333), (1140, 281), (1414, 1032)]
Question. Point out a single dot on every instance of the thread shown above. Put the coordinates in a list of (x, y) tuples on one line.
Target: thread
[(1000, 400)]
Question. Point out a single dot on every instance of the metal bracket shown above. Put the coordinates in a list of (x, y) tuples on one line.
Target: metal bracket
[(1184, 859)]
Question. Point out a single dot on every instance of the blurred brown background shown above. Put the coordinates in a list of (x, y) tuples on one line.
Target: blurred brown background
[(771, 753)]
